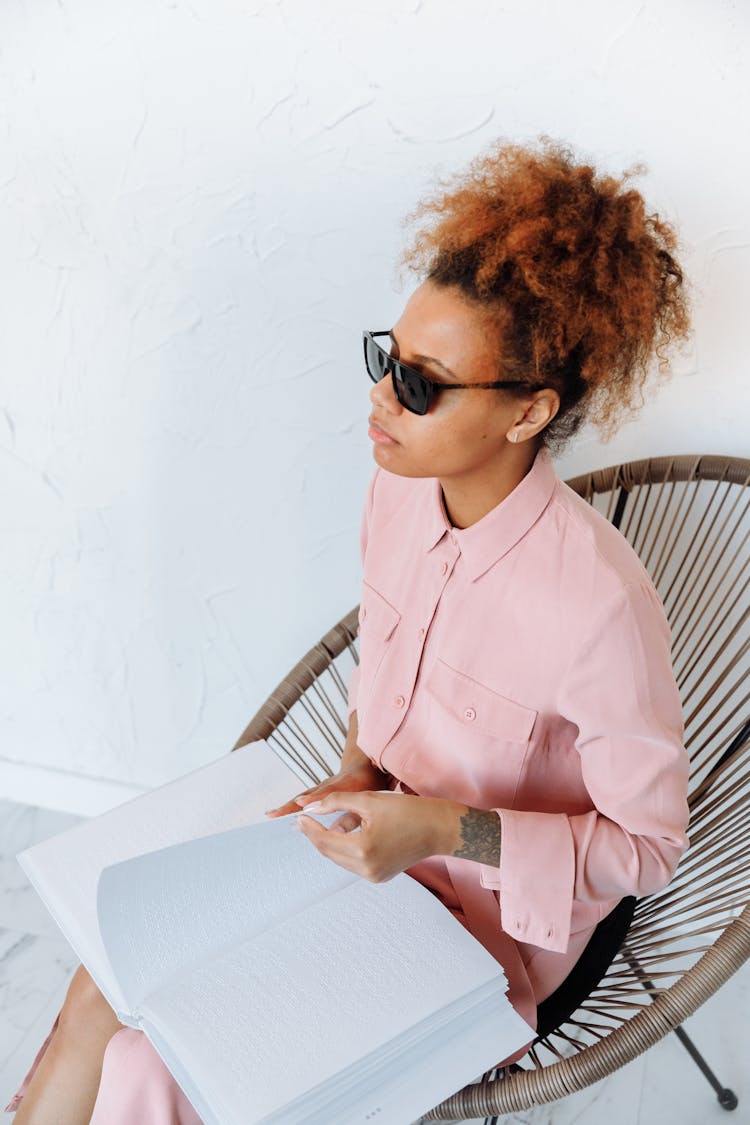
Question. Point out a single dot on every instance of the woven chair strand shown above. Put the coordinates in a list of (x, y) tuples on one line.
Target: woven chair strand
[(302, 676), (656, 470)]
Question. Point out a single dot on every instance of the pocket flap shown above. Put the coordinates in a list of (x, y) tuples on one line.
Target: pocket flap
[(377, 615), (479, 706)]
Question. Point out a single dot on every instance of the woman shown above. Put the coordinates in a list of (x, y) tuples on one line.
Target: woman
[(515, 690)]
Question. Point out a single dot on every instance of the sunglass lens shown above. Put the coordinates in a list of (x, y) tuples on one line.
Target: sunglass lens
[(414, 390), (375, 360)]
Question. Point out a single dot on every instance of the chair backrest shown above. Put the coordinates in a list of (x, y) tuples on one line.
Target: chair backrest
[(688, 518)]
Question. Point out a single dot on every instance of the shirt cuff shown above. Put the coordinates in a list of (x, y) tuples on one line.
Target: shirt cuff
[(535, 877)]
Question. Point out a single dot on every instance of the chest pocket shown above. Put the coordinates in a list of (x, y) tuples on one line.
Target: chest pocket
[(479, 707), (377, 617), (378, 620), (482, 736)]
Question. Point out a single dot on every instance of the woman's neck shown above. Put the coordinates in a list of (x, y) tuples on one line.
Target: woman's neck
[(468, 500)]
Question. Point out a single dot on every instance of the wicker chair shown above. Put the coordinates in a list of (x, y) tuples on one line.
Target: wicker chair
[(688, 517)]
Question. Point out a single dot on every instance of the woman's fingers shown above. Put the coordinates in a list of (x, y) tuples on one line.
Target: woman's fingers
[(397, 831), (353, 801), (311, 795), (314, 793), (346, 823), (337, 846), (293, 805), (317, 792)]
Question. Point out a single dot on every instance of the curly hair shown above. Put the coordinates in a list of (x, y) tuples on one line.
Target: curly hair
[(582, 282)]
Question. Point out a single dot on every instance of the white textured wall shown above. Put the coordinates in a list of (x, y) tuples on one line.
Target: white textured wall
[(201, 207)]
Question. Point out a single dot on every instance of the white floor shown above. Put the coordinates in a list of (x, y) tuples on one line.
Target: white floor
[(662, 1087)]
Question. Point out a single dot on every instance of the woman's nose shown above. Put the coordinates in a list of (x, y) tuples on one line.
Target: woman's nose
[(383, 394)]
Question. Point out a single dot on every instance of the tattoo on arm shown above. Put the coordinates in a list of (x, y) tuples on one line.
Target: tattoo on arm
[(480, 836)]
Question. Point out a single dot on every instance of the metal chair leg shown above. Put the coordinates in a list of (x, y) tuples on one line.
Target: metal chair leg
[(727, 1098)]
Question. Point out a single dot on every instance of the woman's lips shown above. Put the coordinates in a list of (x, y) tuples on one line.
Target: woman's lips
[(380, 436)]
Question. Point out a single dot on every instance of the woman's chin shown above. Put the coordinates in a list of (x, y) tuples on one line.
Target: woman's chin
[(384, 453), (387, 458)]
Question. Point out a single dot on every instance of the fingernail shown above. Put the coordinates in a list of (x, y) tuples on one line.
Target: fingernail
[(313, 805)]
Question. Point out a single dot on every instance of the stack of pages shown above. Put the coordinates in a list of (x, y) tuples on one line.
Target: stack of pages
[(276, 985)]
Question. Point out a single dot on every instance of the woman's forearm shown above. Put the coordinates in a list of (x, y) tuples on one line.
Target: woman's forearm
[(469, 833)]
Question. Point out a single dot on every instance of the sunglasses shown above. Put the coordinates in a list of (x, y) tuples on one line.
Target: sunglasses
[(413, 390)]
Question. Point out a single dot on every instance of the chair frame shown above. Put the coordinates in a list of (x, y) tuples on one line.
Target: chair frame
[(667, 1007)]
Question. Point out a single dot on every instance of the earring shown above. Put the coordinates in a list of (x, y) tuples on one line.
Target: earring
[(515, 436)]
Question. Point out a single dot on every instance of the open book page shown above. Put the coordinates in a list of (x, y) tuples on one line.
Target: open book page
[(273, 1018), (417, 1074), (162, 913), (232, 791)]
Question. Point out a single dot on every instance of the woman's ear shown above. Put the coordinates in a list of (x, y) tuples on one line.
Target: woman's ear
[(543, 409)]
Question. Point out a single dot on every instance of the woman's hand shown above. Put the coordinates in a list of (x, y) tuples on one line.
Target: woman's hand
[(354, 778), (396, 830)]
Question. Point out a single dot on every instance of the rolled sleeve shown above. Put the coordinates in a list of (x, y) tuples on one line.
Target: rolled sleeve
[(621, 693), (536, 904)]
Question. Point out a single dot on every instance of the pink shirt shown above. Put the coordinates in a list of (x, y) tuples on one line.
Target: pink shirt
[(523, 665)]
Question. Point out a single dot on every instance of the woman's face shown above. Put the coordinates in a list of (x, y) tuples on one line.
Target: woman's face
[(464, 432)]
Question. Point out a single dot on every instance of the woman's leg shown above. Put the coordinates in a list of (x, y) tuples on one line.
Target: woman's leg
[(64, 1086)]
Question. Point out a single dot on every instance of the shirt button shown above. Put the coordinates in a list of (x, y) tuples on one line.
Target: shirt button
[(470, 713), (364, 614), (445, 568), (421, 634), (399, 701)]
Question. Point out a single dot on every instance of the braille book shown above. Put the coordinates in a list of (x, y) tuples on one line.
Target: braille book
[(276, 985)]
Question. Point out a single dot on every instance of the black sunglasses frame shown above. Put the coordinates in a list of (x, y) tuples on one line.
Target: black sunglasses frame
[(407, 381)]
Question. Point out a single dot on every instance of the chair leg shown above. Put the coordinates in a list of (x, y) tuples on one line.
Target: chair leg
[(727, 1098)]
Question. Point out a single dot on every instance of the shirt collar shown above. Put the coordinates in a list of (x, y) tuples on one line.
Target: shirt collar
[(487, 540)]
